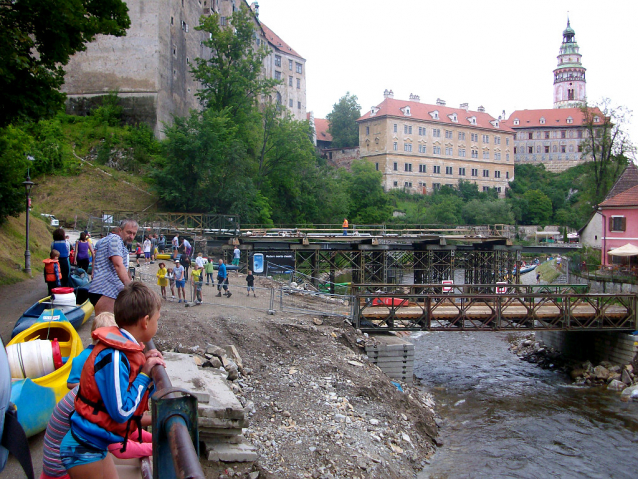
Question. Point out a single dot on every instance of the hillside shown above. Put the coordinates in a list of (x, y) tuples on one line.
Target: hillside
[(90, 192), (13, 242)]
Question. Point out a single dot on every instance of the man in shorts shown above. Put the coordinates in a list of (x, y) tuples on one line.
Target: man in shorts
[(175, 245), (180, 281), (110, 266), (236, 257)]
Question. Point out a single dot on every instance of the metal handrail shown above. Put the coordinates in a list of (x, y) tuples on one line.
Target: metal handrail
[(185, 458)]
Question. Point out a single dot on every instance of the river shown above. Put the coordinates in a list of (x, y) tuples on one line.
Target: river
[(503, 417)]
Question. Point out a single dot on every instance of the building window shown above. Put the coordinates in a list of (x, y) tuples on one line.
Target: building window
[(289, 81), (449, 134), (617, 223), (474, 137), (367, 130), (407, 167), (277, 75), (530, 149), (290, 65), (422, 169), (474, 171), (507, 157), (486, 173), (436, 150), (290, 102), (580, 148), (421, 131), (497, 140), (497, 156), (436, 186), (298, 83), (448, 170), (407, 184), (486, 154), (436, 169), (579, 134), (376, 166), (223, 21), (407, 129), (514, 150), (277, 60), (421, 148), (461, 171), (497, 174), (563, 134), (547, 135), (486, 138), (396, 183), (448, 151), (474, 153), (462, 152), (486, 189), (407, 147), (436, 132), (395, 166), (461, 135), (546, 148), (395, 127), (395, 146), (562, 148), (507, 175), (507, 141), (498, 189), (299, 68)]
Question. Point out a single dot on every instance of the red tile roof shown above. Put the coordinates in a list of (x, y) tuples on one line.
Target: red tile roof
[(277, 42), (321, 128), (421, 111), (626, 198), (553, 117), (628, 179)]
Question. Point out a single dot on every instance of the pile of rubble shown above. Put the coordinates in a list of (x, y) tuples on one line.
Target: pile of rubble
[(532, 351), (616, 377)]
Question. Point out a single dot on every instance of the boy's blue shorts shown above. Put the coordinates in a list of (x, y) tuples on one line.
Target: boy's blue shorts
[(72, 453), (180, 284)]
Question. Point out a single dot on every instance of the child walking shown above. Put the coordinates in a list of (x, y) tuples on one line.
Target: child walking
[(52, 274), (162, 281), (114, 385), (250, 283), (197, 277), (170, 275), (209, 268)]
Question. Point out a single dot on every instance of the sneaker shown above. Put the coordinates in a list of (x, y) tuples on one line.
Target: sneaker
[(172, 298), (152, 262), (218, 295), (248, 294), (180, 301), (229, 294), (254, 295)]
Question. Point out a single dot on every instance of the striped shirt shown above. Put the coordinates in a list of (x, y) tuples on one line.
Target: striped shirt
[(105, 278), (59, 425)]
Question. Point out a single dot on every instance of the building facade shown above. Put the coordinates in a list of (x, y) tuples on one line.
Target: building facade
[(421, 147), (150, 66)]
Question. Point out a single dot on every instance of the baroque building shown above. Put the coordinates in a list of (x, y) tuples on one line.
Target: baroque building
[(150, 66), (421, 147), (554, 137)]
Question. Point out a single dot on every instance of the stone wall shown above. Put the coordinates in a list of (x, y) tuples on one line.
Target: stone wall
[(597, 346)]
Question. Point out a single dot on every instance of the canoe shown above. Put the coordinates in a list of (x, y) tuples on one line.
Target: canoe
[(36, 398), (5, 395), (76, 315), (389, 302), (525, 269)]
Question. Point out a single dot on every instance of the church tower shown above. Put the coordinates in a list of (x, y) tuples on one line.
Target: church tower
[(569, 75)]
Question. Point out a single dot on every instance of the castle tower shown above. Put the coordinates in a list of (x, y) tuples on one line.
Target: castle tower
[(569, 75)]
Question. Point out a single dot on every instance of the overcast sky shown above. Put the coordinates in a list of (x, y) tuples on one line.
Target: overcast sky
[(497, 53)]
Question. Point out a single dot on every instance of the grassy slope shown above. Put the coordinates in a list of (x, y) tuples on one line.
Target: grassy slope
[(90, 193), (12, 246)]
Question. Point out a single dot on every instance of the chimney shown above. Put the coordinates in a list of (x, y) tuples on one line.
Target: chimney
[(440, 102), (465, 106), (415, 97), (503, 115), (390, 94), (386, 93), (481, 109)]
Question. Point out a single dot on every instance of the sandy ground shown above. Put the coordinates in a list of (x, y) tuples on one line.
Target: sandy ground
[(318, 408)]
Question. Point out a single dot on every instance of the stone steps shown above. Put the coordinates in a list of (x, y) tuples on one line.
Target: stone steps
[(394, 356)]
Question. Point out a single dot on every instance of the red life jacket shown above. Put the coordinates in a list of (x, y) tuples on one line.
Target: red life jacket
[(49, 270), (89, 403)]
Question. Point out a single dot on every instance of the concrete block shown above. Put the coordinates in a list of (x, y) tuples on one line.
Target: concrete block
[(219, 434), (231, 452), (233, 354), (217, 423)]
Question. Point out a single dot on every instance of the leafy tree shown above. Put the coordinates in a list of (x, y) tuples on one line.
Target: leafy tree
[(343, 122), (231, 76), (477, 212), (368, 202), (14, 145), (538, 208), (607, 144), (37, 38)]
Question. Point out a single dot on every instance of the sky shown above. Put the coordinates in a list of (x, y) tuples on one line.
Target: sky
[(496, 53)]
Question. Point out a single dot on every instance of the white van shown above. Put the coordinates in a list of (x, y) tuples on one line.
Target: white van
[(53, 219)]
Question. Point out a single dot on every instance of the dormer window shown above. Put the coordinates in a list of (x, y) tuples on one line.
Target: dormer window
[(406, 111), (472, 120), (453, 117), (542, 121), (517, 121), (596, 119), (434, 114), (570, 119), (373, 110), (495, 123)]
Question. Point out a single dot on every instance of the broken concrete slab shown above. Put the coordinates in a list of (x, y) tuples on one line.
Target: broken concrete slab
[(231, 452), (232, 353)]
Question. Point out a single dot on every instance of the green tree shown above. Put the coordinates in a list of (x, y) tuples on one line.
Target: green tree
[(37, 38), (368, 202), (477, 212), (538, 208), (232, 76), (14, 145), (343, 122), (606, 145)]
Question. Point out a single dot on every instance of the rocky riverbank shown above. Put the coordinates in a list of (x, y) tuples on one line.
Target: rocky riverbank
[(317, 407), (615, 377)]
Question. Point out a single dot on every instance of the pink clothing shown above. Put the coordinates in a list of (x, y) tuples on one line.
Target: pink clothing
[(134, 449)]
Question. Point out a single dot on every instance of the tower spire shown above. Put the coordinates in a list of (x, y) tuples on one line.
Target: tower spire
[(569, 75)]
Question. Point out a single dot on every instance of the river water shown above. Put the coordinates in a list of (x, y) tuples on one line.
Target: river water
[(503, 417)]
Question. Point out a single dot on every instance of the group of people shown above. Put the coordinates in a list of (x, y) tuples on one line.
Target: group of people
[(57, 268)]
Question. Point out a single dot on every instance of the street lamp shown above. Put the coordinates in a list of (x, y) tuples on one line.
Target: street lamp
[(28, 184)]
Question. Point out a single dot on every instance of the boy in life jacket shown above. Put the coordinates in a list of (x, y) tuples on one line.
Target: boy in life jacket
[(52, 275), (114, 384)]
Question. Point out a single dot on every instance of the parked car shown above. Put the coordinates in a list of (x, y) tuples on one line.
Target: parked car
[(53, 220)]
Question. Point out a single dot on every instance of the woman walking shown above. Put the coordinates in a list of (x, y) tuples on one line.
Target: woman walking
[(83, 251), (60, 244)]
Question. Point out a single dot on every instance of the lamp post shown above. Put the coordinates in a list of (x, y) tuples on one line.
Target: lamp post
[(28, 184)]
